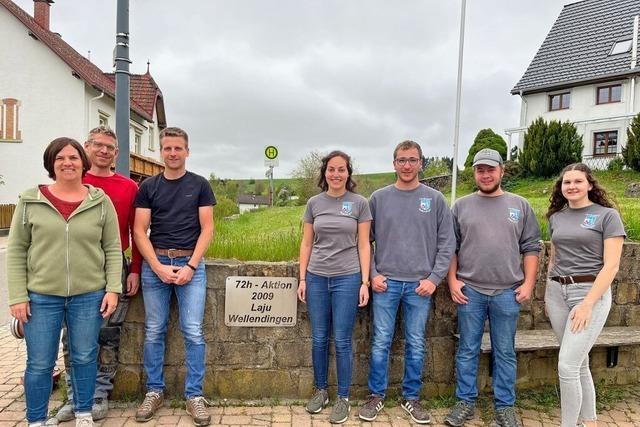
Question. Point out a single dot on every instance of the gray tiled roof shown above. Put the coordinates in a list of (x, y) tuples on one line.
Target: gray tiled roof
[(578, 45)]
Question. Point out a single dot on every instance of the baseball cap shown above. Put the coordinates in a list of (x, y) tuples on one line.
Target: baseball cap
[(488, 157)]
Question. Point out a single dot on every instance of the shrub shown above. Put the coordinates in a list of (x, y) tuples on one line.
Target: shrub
[(617, 164), (486, 138), (631, 152), (549, 147), (224, 207)]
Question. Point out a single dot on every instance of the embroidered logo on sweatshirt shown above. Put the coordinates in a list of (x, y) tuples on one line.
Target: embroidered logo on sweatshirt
[(425, 204), (515, 214), (589, 221), (347, 208)]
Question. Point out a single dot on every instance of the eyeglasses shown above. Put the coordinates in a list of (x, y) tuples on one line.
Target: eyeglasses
[(411, 160), (99, 145)]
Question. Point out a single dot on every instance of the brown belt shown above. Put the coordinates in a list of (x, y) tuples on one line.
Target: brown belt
[(174, 253), (569, 280)]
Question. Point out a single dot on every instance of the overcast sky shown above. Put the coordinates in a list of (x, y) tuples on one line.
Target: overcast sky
[(303, 75)]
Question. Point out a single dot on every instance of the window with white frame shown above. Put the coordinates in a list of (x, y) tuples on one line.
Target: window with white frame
[(103, 118), (137, 140), (152, 136)]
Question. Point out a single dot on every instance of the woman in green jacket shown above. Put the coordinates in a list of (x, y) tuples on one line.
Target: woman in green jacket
[(63, 265)]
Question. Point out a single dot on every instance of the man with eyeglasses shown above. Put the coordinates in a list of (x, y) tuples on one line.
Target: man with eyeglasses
[(413, 233), (102, 148)]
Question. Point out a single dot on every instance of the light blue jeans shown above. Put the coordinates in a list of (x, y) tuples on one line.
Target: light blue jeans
[(191, 302), (415, 313), (577, 392), (81, 313)]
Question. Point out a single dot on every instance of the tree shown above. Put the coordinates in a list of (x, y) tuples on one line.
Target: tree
[(549, 147), (306, 176), (631, 152), (486, 138)]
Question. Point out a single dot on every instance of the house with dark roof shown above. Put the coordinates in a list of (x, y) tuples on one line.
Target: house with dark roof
[(48, 90), (586, 72), (251, 202)]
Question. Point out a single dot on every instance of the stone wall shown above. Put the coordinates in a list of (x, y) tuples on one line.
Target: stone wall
[(249, 363)]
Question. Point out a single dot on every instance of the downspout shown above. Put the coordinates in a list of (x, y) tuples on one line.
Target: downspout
[(634, 62), (87, 124), (523, 123)]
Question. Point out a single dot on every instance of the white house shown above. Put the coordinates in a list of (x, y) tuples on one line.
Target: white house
[(48, 90), (586, 72), (251, 202)]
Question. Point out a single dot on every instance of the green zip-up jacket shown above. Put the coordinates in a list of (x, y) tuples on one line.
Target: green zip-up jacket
[(51, 256)]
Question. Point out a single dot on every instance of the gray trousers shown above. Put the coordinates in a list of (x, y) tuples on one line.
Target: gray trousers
[(109, 345), (577, 391)]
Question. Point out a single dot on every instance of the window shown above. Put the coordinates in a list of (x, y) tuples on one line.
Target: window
[(137, 140), (103, 118), (559, 101), (609, 94), (622, 46), (151, 139), (9, 120), (605, 143)]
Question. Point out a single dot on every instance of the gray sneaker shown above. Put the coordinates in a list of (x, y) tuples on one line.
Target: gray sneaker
[(66, 413), (318, 401), (100, 408), (417, 411), (152, 401), (340, 411), (461, 412), (369, 411), (506, 417)]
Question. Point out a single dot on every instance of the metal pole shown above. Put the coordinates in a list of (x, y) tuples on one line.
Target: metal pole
[(122, 62), (456, 131), (271, 185)]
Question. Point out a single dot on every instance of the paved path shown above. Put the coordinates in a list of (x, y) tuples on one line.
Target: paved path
[(12, 406)]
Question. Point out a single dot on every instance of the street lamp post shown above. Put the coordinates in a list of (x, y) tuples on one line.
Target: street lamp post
[(456, 130), (122, 61)]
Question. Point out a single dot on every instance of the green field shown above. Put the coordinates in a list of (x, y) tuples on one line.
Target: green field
[(274, 234)]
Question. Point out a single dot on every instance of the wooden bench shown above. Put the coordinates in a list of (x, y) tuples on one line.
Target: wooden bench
[(545, 339)]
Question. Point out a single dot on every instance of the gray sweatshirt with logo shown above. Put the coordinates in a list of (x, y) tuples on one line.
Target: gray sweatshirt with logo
[(413, 234)]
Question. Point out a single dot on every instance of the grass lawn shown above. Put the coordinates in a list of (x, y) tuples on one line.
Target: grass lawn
[(274, 234)]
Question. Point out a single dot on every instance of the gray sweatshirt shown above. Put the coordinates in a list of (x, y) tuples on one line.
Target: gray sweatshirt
[(493, 234), (413, 234)]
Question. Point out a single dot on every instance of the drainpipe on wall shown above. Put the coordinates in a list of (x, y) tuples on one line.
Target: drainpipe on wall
[(634, 62), (87, 122)]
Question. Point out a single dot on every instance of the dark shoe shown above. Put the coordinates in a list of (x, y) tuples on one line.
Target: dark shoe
[(99, 409), (152, 401), (318, 401), (340, 411), (506, 417), (197, 408), (461, 412), (417, 411), (369, 411)]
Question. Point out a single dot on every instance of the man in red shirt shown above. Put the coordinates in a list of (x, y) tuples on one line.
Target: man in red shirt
[(102, 148)]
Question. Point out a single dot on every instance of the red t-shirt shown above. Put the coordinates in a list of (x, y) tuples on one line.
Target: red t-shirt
[(65, 208), (122, 192)]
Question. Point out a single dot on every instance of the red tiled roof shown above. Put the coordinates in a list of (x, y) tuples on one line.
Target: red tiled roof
[(81, 66), (143, 89)]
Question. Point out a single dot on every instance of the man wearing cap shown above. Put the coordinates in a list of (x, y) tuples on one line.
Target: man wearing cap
[(492, 273)]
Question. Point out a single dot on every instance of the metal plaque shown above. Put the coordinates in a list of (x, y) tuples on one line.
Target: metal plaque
[(252, 301)]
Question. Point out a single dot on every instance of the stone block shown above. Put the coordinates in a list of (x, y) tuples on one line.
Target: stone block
[(305, 383), (626, 293), (616, 315), (271, 269), (231, 354), (131, 344), (544, 369), (218, 271), (135, 311), (632, 317), (292, 354), (525, 320), (128, 382), (443, 352), (255, 384)]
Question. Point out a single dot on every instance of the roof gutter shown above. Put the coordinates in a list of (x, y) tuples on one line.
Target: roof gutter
[(572, 83)]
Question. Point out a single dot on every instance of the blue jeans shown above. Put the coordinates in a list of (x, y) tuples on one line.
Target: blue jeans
[(415, 312), (191, 302), (503, 311), (81, 313), (332, 304)]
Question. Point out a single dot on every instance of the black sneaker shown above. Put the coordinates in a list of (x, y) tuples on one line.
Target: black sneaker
[(461, 412), (369, 411), (417, 411), (506, 417)]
